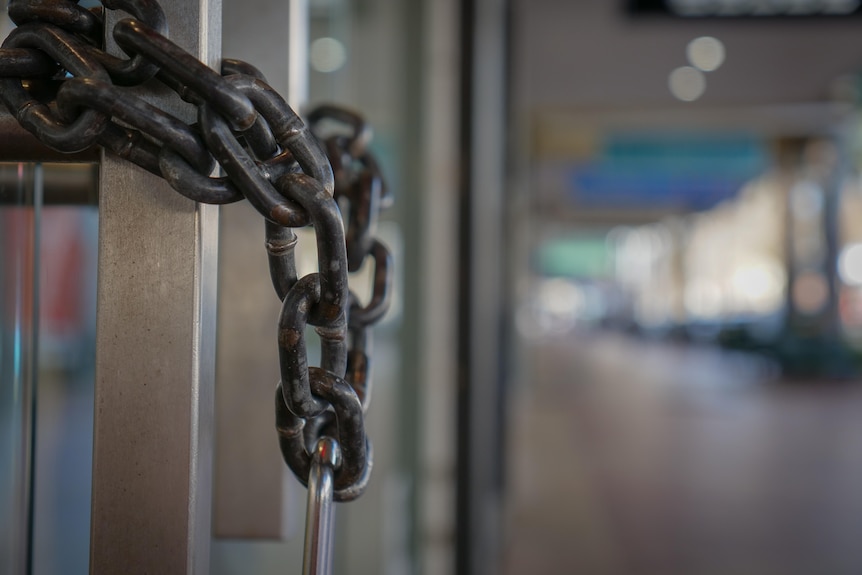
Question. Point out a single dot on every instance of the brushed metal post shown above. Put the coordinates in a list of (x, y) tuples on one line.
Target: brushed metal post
[(152, 453), (262, 504), (481, 391)]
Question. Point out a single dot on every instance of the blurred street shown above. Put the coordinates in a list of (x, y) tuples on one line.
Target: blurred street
[(640, 457)]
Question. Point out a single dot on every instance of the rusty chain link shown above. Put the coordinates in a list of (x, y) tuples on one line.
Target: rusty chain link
[(61, 85)]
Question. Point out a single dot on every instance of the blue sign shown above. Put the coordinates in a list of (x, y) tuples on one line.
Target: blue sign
[(686, 171)]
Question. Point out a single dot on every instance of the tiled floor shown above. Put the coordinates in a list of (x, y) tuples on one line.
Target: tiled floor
[(632, 457)]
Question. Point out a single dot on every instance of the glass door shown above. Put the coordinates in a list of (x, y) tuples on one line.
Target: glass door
[(20, 214)]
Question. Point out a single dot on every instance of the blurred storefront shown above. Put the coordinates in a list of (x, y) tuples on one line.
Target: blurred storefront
[(687, 369)]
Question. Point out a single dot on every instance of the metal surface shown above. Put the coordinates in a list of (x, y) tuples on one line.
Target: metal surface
[(262, 504), (155, 360), (480, 426), (320, 512), (434, 277), (297, 53)]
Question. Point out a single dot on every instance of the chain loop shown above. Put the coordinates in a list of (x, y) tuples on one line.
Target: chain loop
[(25, 63), (71, 54), (352, 476), (181, 67), (79, 93), (64, 88), (292, 348), (137, 69), (381, 295), (66, 15)]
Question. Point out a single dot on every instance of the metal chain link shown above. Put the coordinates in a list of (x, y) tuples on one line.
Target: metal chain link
[(61, 85)]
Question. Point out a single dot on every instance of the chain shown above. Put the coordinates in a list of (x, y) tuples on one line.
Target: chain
[(64, 88)]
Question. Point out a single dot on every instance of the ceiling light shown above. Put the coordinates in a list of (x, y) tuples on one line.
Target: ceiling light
[(705, 53), (327, 55), (687, 83)]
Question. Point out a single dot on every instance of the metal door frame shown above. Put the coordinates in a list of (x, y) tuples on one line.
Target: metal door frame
[(155, 355), (483, 321)]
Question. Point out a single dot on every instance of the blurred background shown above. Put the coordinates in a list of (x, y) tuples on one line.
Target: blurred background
[(628, 326)]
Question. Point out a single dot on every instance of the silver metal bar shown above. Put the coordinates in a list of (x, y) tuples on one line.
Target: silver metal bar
[(264, 504), (297, 55), (320, 513), (152, 451), (480, 494)]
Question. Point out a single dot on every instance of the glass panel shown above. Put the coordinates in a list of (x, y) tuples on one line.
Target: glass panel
[(688, 374), (47, 324), (20, 210), (64, 429)]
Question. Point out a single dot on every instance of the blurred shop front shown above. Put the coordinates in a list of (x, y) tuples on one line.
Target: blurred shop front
[(686, 302)]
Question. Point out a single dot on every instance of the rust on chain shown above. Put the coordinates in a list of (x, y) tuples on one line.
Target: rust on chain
[(358, 376), (289, 337), (70, 95)]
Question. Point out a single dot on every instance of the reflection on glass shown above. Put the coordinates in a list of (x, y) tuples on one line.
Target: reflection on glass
[(47, 303), (64, 430), (20, 209)]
